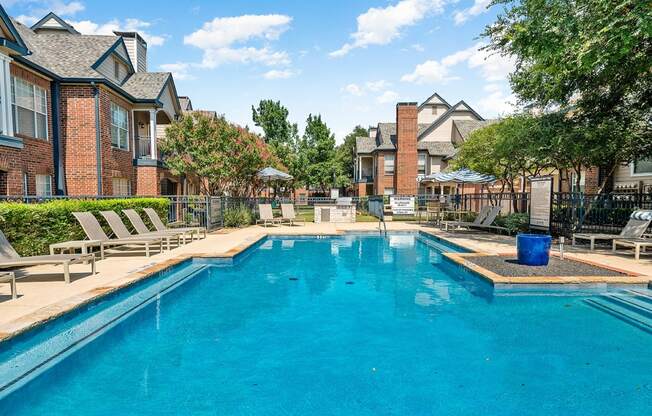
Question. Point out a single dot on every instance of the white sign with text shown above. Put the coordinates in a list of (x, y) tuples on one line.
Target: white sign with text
[(402, 205)]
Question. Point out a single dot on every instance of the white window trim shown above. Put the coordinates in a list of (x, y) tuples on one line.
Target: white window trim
[(49, 178), (425, 163), (47, 121), (111, 123), (393, 172), (6, 120), (637, 175)]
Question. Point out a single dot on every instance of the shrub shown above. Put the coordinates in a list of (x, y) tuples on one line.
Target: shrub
[(514, 222), (31, 228), (238, 216)]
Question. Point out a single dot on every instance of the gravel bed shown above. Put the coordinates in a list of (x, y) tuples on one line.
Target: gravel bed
[(508, 266)]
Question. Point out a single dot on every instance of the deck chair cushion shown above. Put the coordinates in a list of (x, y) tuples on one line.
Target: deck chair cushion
[(643, 215)]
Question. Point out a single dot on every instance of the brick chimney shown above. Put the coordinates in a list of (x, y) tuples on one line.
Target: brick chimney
[(406, 148)]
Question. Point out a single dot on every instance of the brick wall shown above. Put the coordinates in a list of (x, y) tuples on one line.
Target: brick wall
[(36, 156), (406, 152), (78, 138), (381, 180), (147, 181)]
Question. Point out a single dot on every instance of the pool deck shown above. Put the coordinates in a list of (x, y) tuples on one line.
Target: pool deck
[(43, 294)]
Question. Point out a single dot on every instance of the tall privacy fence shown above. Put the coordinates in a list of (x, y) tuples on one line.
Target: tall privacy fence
[(604, 213)]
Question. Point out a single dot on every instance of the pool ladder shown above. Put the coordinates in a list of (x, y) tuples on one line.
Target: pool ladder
[(631, 306)]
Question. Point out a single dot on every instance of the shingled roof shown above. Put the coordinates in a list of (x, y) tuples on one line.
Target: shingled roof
[(386, 140), (466, 127), (146, 85), (365, 144), (70, 56)]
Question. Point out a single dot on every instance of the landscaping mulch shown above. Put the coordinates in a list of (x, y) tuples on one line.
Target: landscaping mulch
[(508, 266)]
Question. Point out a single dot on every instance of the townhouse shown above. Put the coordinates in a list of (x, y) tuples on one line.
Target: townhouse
[(394, 156), (81, 114)]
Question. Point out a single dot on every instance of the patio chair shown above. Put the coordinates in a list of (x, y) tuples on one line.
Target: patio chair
[(121, 231), (160, 226), (266, 215), (141, 228), (289, 216), (638, 222), (482, 215), (9, 258), (488, 222), (94, 231), (9, 277), (638, 244)]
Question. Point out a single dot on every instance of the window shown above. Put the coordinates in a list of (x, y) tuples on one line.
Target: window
[(116, 70), (642, 167), (121, 186), (29, 107), (388, 191), (389, 164), (421, 166), (43, 185), (119, 129)]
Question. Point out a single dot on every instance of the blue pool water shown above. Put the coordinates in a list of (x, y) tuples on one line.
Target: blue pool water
[(351, 325)]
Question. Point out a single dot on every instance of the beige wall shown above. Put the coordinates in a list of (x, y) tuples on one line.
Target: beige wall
[(444, 132), (429, 114), (623, 177)]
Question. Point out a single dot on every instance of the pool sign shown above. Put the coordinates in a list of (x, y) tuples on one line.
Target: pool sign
[(541, 203), (402, 205)]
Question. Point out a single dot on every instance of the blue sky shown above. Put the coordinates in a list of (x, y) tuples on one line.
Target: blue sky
[(349, 61)]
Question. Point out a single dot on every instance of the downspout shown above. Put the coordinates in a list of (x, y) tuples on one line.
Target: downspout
[(57, 144), (98, 138)]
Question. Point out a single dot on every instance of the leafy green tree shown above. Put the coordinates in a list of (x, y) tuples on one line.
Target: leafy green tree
[(224, 156), (280, 134), (588, 60), (317, 155)]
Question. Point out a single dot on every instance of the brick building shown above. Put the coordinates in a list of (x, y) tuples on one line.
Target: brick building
[(80, 114), (420, 142)]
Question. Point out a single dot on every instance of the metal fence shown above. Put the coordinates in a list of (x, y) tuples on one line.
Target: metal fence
[(571, 212)]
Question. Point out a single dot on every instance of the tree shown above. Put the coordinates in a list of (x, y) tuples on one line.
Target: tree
[(280, 134), (317, 155), (346, 152), (224, 156), (588, 60)]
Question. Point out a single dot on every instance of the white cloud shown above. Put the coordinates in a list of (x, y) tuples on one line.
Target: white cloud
[(497, 102), (376, 86), (479, 7), (492, 66), (380, 26), (387, 97), (418, 47), (218, 37), (353, 89), (429, 72), (27, 20), (66, 9), (38, 9), (88, 27), (279, 74), (180, 70)]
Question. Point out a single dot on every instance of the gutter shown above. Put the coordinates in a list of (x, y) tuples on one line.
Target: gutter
[(98, 138), (57, 144)]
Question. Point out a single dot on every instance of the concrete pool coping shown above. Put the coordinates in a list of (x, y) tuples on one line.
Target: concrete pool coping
[(33, 312)]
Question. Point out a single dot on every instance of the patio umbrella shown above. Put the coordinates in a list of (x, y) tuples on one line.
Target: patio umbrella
[(460, 176), (270, 174)]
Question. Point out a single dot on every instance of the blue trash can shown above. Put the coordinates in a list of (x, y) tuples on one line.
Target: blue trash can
[(533, 249)]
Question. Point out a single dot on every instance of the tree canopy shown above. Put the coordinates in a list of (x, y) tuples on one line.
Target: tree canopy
[(280, 134), (226, 157)]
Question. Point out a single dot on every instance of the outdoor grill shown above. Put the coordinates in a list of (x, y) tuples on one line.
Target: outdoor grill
[(340, 211)]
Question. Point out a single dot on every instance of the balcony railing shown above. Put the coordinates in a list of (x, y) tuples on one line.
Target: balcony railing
[(366, 178), (144, 148)]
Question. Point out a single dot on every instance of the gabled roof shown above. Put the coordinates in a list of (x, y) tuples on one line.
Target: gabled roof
[(57, 23), (466, 127), (460, 106), (186, 104), (112, 51), (147, 85), (386, 140), (437, 96), (365, 144), (16, 43)]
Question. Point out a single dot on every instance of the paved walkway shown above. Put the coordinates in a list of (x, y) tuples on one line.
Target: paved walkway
[(43, 294)]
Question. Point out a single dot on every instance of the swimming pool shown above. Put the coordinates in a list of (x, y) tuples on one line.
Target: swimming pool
[(346, 325)]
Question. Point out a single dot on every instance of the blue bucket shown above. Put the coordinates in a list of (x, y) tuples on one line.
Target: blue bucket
[(533, 249)]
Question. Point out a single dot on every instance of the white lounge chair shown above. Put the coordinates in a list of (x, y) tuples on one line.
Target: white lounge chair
[(488, 222), (9, 277), (289, 216), (638, 222), (141, 228), (9, 258), (160, 226), (266, 215), (120, 229), (94, 231), (477, 221), (638, 244)]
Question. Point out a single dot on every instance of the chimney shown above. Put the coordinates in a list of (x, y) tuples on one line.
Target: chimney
[(136, 48), (406, 148), (372, 132)]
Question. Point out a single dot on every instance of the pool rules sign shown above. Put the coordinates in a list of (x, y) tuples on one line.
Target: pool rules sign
[(541, 203)]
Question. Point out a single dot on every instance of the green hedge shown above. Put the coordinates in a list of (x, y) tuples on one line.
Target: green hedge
[(31, 228)]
